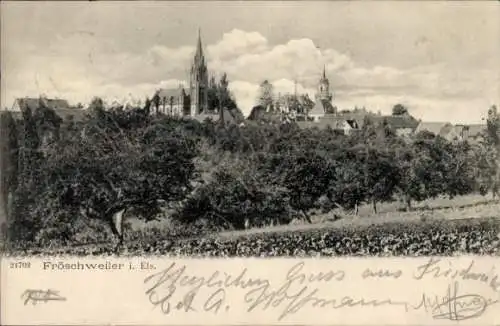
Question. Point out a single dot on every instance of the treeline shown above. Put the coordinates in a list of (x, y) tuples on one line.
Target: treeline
[(59, 176)]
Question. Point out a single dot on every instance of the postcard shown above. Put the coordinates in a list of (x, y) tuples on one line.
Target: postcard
[(250, 163)]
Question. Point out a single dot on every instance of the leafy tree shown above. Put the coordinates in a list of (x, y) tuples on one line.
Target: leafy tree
[(375, 145), (119, 164), (492, 142), (346, 188), (422, 168), (237, 198), (459, 169), (399, 109), (305, 174), (9, 159), (266, 95)]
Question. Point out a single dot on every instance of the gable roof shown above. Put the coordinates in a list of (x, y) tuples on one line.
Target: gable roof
[(60, 106), (170, 92), (56, 104), (433, 127), (75, 114), (34, 103), (336, 123)]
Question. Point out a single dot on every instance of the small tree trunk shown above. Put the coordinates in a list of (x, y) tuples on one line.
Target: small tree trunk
[(408, 204), (117, 224), (307, 217), (374, 206), (356, 208)]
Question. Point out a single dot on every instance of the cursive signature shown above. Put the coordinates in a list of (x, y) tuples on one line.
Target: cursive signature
[(164, 285), (35, 296), (175, 288), (454, 306)]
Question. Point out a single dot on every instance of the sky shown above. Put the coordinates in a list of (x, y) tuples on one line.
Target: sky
[(440, 59)]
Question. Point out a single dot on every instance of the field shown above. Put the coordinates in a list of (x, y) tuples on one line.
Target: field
[(464, 225), (461, 207)]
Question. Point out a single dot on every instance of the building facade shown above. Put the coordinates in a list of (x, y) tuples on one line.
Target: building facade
[(182, 102)]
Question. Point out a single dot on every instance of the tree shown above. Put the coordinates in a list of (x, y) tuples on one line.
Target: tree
[(147, 106), (237, 197), (492, 143), (9, 159), (123, 162), (493, 127), (266, 95), (305, 174), (96, 105), (459, 169), (399, 109), (220, 98), (374, 146), (422, 167)]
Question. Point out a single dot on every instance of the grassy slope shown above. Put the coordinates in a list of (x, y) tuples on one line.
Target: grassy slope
[(471, 206)]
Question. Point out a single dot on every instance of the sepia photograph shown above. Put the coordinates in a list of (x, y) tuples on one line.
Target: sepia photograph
[(250, 129)]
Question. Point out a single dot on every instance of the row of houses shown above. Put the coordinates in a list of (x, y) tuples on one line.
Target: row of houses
[(346, 121), (404, 126)]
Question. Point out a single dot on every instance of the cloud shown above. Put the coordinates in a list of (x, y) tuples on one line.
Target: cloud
[(236, 43), (79, 67)]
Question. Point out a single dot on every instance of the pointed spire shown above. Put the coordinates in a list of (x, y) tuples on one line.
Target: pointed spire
[(324, 71), (199, 47)]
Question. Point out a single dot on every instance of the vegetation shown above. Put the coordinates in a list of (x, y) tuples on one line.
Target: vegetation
[(63, 177), (432, 238)]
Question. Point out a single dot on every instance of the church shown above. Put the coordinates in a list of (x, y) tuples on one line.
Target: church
[(181, 102)]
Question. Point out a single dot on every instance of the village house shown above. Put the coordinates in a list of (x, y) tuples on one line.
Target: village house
[(471, 133), (60, 106)]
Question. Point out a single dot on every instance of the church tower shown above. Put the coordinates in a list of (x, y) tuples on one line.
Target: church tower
[(324, 88), (199, 81)]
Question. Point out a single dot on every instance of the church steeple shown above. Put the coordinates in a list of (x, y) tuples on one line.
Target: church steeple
[(199, 49), (324, 87), (199, 81)]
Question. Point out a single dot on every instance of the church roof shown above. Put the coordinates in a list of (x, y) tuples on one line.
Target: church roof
[(323, 76), (170, 92)]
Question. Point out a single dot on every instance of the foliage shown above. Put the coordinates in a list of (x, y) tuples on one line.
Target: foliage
[(266, 95), (430, 238), (119, 159), (72, 174), (399, 109), (237, 198)]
